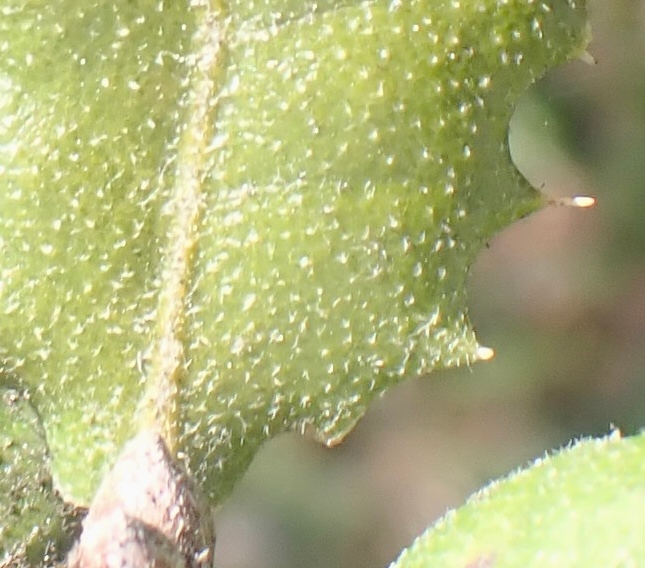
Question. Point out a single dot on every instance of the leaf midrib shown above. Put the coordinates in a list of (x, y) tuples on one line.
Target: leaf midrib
[(158, 407)]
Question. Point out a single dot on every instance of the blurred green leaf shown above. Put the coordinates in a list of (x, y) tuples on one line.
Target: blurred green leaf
[(581, 507), (31, 515), (234, 224)]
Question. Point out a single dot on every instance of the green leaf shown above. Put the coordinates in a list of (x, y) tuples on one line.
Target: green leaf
[(581, 507), (30, 514), (232, 224)]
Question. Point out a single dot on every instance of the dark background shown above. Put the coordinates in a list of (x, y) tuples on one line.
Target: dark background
[(561, 298)]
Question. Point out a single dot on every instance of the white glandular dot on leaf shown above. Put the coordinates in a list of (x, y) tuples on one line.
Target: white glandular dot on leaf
[(147, 513)]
